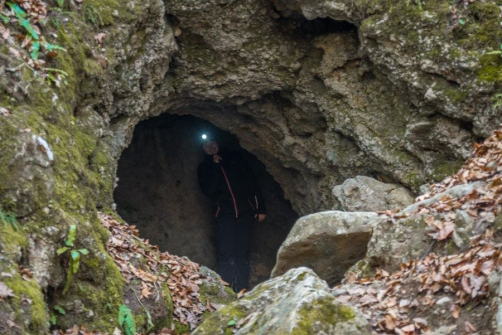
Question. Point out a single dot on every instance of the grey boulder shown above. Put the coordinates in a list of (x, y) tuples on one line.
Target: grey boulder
[(327, 242), (362, 194)]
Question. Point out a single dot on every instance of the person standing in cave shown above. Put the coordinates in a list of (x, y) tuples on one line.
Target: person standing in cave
[(226, 177)]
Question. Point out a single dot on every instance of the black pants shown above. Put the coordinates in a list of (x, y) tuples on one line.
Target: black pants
[(233, 241)]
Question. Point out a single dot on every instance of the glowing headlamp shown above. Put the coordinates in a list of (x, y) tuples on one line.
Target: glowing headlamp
[(204, 136)]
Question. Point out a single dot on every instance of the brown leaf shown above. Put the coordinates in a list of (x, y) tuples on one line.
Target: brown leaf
[(4, 111), (100, 38), (389, 322), (446, 231), (455, 311), (5, 292), (465, 285), (486, 267), (469, 328), (4, 32), (408, 329)]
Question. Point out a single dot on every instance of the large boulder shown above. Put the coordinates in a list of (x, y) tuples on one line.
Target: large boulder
[(362, 194), (327, 242), (298, 302)]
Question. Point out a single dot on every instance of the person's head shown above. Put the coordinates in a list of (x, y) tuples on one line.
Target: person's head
[(211, 147)]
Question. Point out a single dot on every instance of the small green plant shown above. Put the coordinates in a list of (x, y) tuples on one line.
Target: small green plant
[(497, 101), (56, 76), (8, 218), (32, 36), (126, 320), (54, 318), (55, 22), (74, 255), (419, 4), (92, 15), (496, 52), (4, 18)]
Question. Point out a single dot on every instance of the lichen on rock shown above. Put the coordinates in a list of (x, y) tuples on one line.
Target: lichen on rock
[(297, 302)]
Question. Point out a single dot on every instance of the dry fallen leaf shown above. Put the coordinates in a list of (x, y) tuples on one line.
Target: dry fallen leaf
[(455, 311), (4, 111), (5, 292), (100, 38)]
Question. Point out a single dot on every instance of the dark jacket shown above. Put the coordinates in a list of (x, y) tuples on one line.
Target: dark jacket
[(231, 184)]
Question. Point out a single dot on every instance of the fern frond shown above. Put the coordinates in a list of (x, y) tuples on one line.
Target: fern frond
[(126, 320)]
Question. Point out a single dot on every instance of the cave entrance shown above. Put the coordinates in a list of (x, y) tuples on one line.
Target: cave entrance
[(158, 191)]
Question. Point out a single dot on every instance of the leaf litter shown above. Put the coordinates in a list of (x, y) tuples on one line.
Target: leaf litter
[(181, 275), (482, 204), (399, 303)]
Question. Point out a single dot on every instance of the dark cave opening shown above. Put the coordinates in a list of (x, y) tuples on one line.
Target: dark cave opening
[(314, 27), (324, 26), (158, 191)]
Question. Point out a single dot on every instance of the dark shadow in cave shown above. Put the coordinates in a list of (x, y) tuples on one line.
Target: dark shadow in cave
[(324, 26), (315, 27), (158, 191)]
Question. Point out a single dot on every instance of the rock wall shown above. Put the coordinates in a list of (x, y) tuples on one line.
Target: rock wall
[(400, 94)]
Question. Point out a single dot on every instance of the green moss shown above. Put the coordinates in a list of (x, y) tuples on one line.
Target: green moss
[(100, 12), (364, 269), (450, 247), (413, 179), (180, 328), (302, 276), (141, 320), (491, 68), (216, 293), (216, 323), (497, 224), (456, 95), (324, 310), (443, 169), (159, 324), (103, 296), (36, 310), (482, 28), (12, 240)]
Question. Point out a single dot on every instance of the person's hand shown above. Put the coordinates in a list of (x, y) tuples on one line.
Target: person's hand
[(217, 159), (260, 217)]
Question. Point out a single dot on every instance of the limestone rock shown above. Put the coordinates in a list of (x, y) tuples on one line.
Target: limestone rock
[(327, 242), (394, 243), (297, 302), (365, 194)]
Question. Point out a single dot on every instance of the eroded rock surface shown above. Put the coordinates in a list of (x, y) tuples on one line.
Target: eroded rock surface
[(297, 302), (327, 242), (364, 194)]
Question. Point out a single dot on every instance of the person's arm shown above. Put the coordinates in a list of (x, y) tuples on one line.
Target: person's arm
[(254, 188), (208, 174)]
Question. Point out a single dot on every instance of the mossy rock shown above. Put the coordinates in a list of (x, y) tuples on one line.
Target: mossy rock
[(26, 308), (297, 302)]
